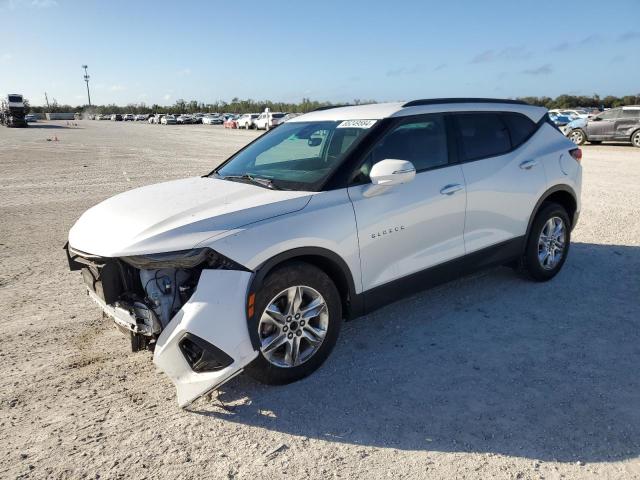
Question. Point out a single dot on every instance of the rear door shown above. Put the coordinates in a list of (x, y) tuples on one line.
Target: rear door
[(413, 226), (504, 179), (627, 122)]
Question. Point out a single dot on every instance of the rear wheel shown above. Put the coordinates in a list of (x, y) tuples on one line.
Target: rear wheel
[(548, 243), (298, 317), (577, 136), (635, 139)]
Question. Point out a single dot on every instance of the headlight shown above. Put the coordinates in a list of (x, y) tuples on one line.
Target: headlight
[(204, 257)]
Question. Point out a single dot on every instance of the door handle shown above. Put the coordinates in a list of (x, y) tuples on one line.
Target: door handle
[(451, 189), (528, 164)]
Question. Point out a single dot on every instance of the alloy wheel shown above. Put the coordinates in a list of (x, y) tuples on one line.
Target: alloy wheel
[(293, 326), (551, 243)]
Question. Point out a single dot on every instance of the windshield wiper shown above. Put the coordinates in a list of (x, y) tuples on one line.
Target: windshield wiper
[(245, 177)]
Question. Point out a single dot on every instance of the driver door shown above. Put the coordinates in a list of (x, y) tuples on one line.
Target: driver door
[(406, 228), (604, 127)]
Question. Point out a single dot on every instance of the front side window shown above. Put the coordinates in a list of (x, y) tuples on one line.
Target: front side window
[(422, 141), (481, 135), (295, 155), (609, 114)]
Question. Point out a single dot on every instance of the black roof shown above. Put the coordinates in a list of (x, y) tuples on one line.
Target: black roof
[(440, 101)]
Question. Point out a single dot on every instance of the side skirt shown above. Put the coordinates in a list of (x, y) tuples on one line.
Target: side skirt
[(391, 292)]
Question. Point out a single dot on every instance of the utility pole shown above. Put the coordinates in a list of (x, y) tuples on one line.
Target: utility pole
[(47, 100), (86, 79)]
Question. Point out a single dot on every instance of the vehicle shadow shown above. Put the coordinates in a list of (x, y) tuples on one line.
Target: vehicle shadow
[(490, 363)]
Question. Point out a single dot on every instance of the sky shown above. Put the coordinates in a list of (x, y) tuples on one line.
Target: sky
[(338, 51)]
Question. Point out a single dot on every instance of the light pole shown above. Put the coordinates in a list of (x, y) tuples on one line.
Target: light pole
[(86, 79)]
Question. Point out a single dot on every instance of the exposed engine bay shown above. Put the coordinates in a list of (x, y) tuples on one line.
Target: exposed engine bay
[(141, 299)]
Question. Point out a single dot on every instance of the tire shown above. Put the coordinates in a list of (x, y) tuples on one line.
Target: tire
[(279, 366), (540, 267), (635, 139), (577, 136)]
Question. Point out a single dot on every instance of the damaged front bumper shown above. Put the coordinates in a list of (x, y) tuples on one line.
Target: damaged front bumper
[(216, 314), (203, 345)]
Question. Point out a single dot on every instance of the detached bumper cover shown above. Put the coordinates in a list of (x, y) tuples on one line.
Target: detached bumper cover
[(216, 314)]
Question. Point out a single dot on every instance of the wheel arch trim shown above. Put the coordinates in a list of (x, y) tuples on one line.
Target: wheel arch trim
[(545, 196), (352, 304)]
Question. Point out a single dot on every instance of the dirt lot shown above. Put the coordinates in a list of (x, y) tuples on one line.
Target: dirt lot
[(491, 376)]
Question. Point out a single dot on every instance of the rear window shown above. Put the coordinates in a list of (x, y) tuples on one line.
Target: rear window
[(520, 127), (482, 135), (278, 115), (15, 98)]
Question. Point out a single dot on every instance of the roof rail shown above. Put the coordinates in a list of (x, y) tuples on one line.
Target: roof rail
[(329, 107), (440, 101)]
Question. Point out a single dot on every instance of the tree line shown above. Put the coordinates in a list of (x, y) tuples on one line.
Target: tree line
[(237, 105)]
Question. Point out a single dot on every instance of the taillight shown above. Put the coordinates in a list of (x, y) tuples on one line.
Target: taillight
[(576, 153)]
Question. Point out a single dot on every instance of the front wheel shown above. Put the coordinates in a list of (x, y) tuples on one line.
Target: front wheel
[(635, 139), (297, 321), (548, 243), (578, 137)]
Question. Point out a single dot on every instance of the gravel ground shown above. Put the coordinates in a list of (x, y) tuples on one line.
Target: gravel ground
[(491, 376)]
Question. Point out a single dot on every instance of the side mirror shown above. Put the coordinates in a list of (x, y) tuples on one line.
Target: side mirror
[(595, 119), (392, 172), (314, 141), (387, 173)]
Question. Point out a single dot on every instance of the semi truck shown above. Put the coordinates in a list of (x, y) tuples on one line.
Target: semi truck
[(12, 111)]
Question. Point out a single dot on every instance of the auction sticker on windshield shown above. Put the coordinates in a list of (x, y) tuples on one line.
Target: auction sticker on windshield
[(357, 124)]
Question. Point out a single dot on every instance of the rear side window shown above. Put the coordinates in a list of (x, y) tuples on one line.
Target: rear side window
[(481, 135), (630, 113), (520, 127)]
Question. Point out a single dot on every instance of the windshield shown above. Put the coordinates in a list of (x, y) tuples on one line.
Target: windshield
[(297, 155)]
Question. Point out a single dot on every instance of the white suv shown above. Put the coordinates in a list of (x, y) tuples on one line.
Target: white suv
[(332, 214)]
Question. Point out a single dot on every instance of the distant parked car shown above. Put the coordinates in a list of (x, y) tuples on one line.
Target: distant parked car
[(168, 120), (231, 122), (616, 124), (129, 117), (157, 118), (268, 120), (559, 119), (212, 120), (185, 119), (246, 121), (30, 118), (116, 117), (571, 113), (197, 118), (141, 117)]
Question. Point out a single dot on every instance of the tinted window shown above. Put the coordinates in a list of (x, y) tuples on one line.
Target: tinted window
[(15, 98), (423, 142), (482, 135), (520, 127), (635, 113)]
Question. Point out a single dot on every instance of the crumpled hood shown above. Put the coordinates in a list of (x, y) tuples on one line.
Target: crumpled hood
[(176, 215)]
